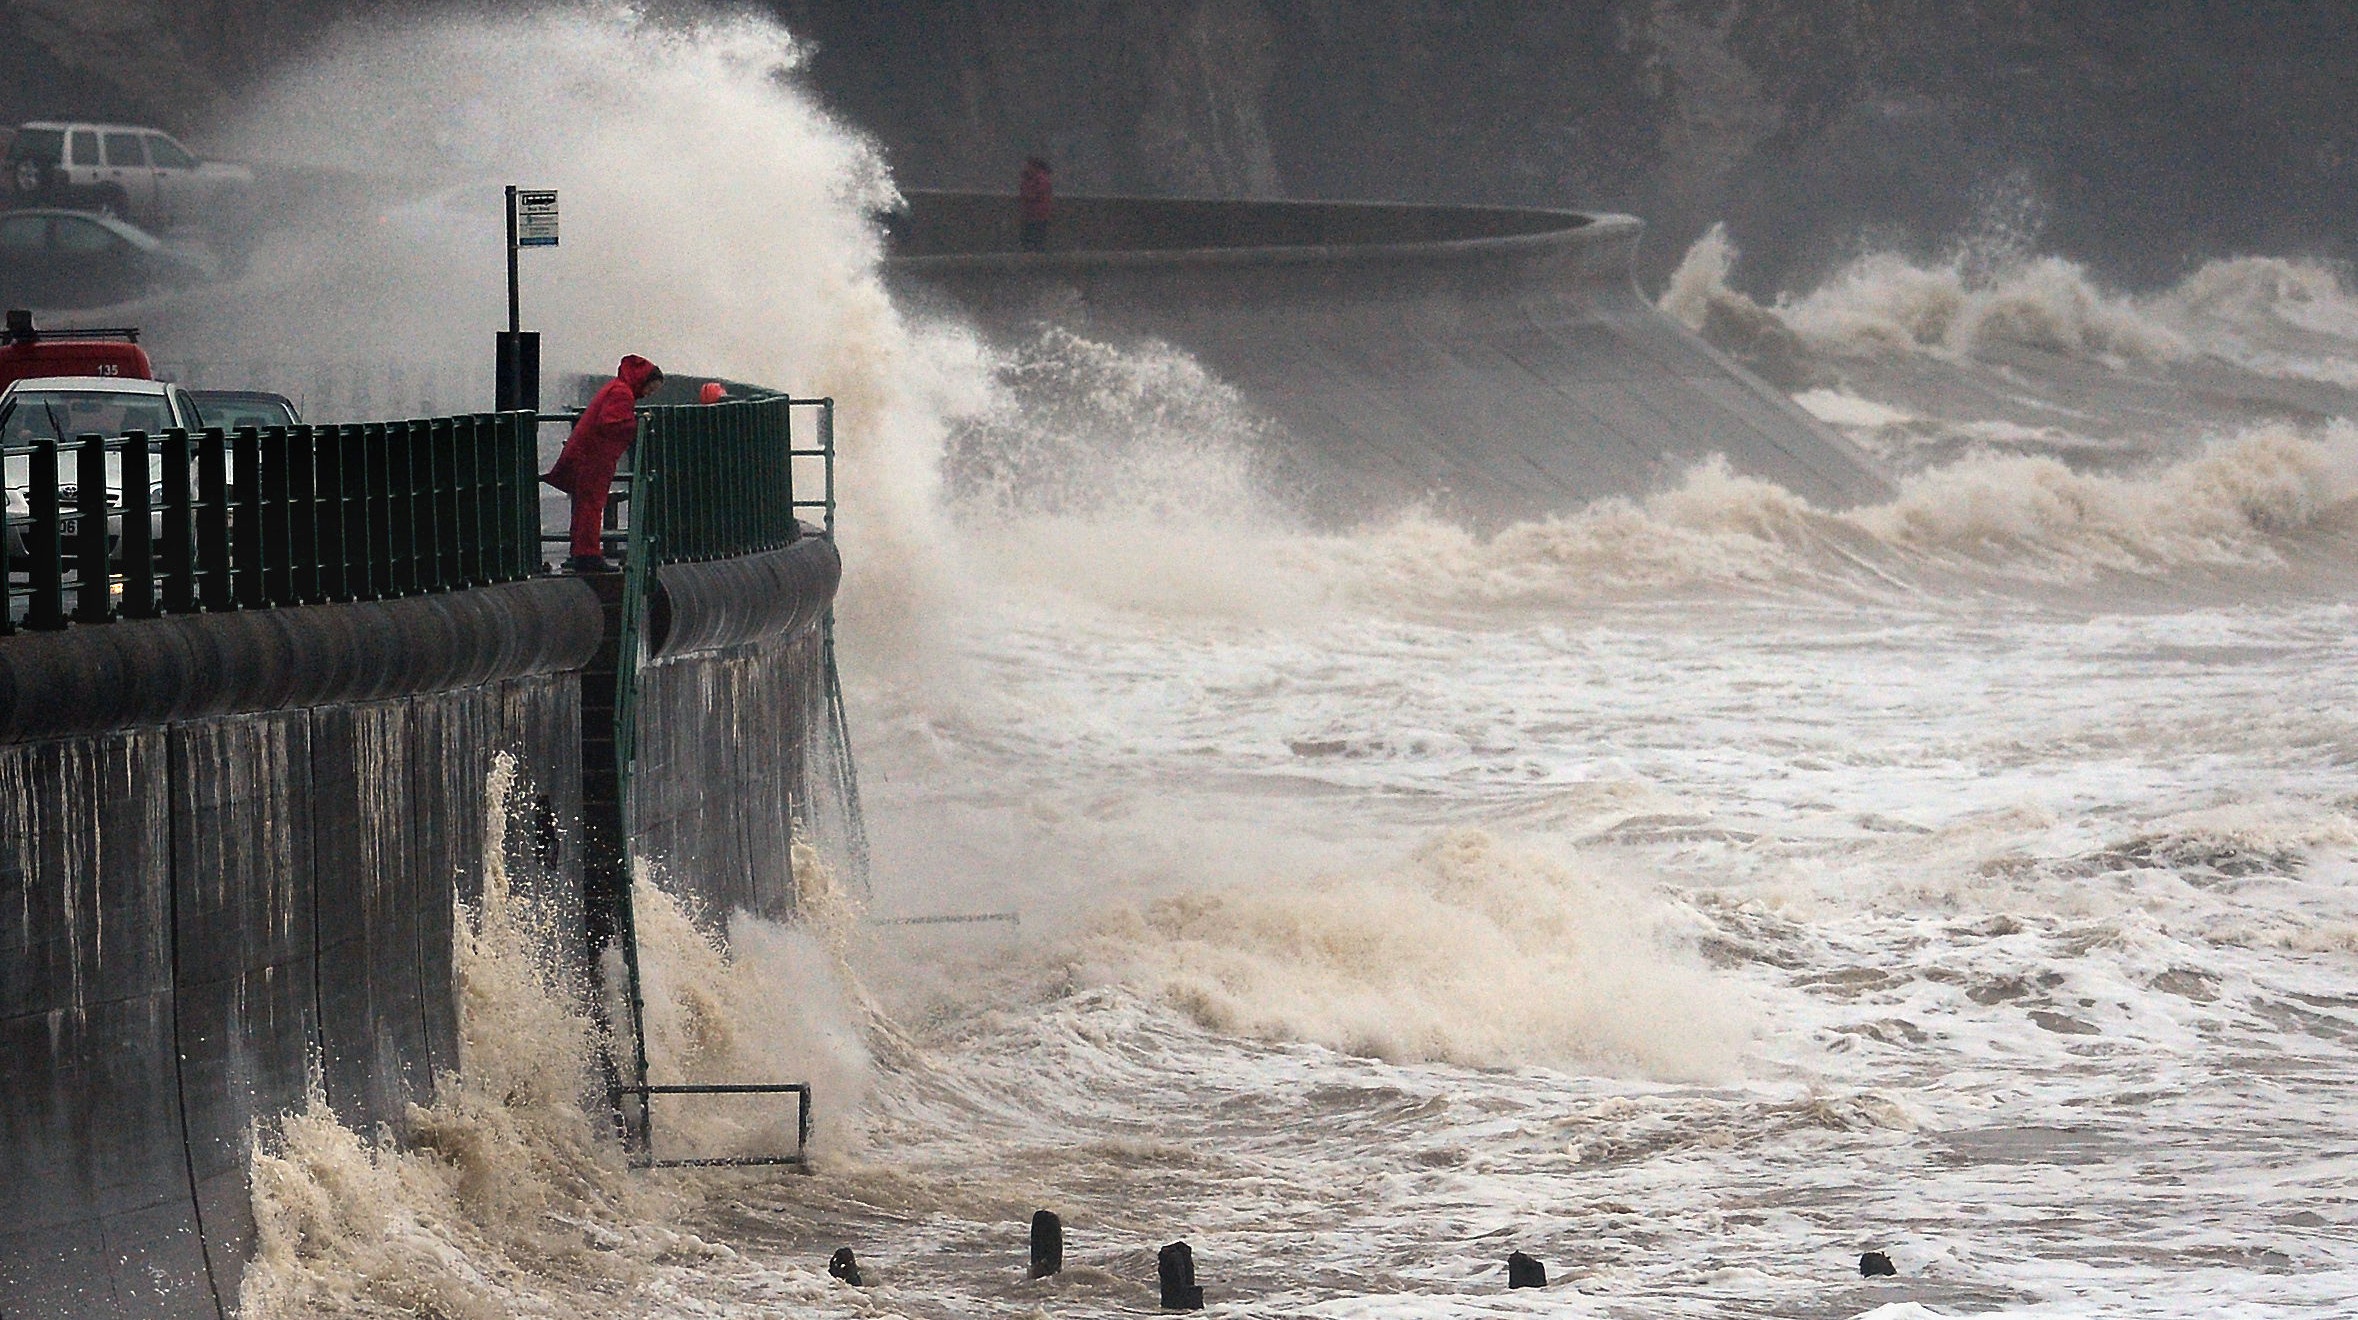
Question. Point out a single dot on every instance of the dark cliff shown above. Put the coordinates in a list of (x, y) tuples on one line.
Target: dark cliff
[(2136, 136)]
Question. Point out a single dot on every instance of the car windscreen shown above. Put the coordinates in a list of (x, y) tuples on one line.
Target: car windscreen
[(63, 414), (230, 414), (45, 145)]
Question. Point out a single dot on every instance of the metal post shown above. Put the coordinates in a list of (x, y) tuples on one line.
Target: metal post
[(45, 612), (278, 549), (306, 579), (515, 305), (377, 487), (355, 464), (213, 520), (640, 551), (331, 546), (7, 575), (827, 444), (246, 544), (517, 360), (522, 444), (434, 519), (179, 550), (93, 597), (139, 548), (401, 510)]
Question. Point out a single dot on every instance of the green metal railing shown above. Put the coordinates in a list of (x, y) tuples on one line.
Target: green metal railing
[(138, 526), (729, 477), (707, 481), (725, 477)]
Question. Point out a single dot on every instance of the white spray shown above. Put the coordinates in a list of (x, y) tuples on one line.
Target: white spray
[(716, 220)]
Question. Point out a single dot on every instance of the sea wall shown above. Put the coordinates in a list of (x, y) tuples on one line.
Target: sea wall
[(1488, 363), (231, 851), (735, 683), (197, 912)]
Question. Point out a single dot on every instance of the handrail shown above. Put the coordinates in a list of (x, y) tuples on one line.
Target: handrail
[(310, 514), (732, 471), (706, 481), (181, 521)]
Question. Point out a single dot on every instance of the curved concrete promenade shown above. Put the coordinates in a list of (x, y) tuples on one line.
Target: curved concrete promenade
[(1498, 363)]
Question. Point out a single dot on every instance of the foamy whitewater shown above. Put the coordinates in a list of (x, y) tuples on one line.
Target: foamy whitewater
[(1693, 892)]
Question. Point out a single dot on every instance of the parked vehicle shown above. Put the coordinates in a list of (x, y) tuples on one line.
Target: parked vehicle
[(65, 407), (27, 351), (123, 170), (231, 409), (53, 258), (64, 258)]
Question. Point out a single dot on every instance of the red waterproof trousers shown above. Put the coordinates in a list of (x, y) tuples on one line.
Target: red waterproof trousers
[(588, 478), (585, 470)]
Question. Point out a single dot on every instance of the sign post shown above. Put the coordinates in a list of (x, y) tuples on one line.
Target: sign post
[(532, 222)]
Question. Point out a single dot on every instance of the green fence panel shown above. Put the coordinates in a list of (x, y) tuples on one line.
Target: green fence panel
[(726, 473), (93, 602), (137, 550), (291, 515), (176, 554)]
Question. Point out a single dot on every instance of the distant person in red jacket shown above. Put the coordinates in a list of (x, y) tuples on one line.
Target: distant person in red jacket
[(585, 468), (1035, 202)]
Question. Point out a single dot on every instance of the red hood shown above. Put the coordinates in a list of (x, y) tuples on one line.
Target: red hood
[(635, 372)]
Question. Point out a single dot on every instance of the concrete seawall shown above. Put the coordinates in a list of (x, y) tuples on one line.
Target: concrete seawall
[(1495, 363), (735, 684), (231, 848)]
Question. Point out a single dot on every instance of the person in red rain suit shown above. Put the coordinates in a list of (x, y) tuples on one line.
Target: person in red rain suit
[(1035, 203), (585, 467)]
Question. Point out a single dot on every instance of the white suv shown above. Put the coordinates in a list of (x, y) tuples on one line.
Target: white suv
[(122, 169)]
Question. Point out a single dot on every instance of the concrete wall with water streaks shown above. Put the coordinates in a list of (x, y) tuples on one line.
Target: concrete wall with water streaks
[(230, 847), (735, 684), (195, 913)]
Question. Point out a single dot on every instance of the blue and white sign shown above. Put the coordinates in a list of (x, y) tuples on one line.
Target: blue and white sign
[(536, 218)]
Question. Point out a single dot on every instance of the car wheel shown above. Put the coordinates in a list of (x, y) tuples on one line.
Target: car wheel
[(113, 201), (29, 176)]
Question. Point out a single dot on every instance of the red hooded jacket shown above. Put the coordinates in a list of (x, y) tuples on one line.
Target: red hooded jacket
[(603, 433)]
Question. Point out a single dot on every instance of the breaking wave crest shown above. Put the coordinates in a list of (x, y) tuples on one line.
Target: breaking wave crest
[(1885, 302), (2291, 319), (1474, 952), (2277, 317), (2231, 504), (2240, 502), (1079, 427)]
